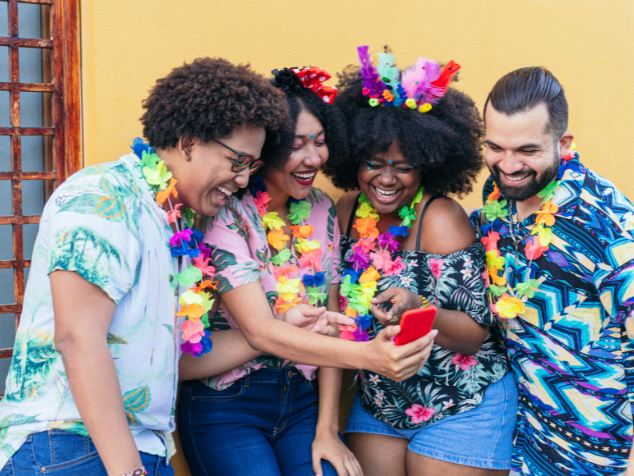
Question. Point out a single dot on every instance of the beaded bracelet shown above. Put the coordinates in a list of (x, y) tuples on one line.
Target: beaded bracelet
[(137, 472), (423, 301)]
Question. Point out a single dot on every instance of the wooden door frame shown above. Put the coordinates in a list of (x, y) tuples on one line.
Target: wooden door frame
[(65, 130)]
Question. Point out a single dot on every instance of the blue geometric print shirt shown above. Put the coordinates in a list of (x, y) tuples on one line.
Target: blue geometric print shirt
[(572, 349)]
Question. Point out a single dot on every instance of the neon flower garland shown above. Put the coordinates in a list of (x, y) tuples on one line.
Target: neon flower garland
[(291, 289), (371, 260), (197, 277), (508, 302)]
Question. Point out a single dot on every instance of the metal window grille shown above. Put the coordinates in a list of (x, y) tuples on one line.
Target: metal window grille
[(59, 128)]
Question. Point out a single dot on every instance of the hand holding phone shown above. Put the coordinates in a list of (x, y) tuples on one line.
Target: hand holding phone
[(415, 324)]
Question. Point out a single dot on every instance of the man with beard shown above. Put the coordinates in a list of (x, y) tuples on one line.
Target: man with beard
[(560, 258)]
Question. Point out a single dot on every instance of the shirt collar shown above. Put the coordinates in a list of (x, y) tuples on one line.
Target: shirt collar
[(569, 189)]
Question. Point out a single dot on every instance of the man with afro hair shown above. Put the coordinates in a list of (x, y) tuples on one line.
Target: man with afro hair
[(92, 384)]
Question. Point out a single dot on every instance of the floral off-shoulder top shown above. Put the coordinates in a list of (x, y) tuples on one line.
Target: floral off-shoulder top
[(241, 255), (449, 383)]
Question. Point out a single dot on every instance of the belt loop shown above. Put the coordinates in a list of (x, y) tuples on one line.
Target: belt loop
[(247, 380)]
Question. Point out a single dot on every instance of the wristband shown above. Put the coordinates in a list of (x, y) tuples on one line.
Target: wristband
[(137, 472), (423, 301)]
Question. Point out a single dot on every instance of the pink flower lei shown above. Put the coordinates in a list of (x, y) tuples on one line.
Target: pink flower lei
[(371, 260)]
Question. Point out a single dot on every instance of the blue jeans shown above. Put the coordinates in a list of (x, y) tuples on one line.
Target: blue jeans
[(59, 452), (262, 425)]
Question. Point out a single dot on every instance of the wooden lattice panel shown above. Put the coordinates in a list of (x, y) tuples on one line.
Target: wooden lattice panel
[(61, 127)]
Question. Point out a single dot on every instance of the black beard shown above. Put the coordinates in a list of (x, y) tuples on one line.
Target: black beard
[(532, 188)]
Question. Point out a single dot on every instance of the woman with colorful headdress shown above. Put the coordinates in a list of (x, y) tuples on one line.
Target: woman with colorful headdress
[(413, 141), (275, 249)]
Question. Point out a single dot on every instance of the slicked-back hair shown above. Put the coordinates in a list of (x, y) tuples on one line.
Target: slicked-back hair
[(525, 88)]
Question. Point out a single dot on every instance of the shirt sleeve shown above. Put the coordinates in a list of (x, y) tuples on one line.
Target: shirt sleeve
[(458, 282), (614, 279), (230, 238), (97, 245)]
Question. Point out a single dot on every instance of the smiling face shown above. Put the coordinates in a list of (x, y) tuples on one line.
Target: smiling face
[(203, 171), (521, 154), (388, 180), (310, 152)]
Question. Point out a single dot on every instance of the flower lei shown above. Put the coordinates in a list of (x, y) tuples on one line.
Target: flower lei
[(371, 260), (195, 301), (291, 289), (510, 302)]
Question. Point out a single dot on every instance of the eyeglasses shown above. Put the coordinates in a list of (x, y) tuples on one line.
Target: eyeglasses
[(243, 161)]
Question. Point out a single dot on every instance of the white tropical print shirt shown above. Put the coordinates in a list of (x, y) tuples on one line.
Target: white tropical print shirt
[(104, 224)]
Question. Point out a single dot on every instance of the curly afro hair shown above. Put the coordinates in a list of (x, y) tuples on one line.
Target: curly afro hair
[(207, 98), (446, 142)]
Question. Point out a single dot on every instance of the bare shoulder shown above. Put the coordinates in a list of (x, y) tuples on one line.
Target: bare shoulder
[(447, 228), (344, 208)]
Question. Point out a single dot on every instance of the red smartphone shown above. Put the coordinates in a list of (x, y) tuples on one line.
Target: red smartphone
[(415, 324)]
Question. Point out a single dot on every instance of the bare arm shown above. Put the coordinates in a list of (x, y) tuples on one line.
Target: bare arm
[(446, 230), (250, 309), (457, 331), (83, 313), (231, 349)]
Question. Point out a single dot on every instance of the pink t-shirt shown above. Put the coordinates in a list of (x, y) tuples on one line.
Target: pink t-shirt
[(241, 255)]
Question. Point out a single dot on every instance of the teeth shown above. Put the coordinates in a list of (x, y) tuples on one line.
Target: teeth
[(224, 190), (515, 179), (305, 176), (385, 193)]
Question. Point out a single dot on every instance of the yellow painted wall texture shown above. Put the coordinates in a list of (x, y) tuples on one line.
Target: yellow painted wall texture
[(588, 44)]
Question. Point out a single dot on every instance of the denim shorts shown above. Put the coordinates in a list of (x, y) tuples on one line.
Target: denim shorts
[(481, 437), (58, 452)]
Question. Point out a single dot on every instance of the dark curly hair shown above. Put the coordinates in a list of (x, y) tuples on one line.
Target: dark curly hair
[(329, 116), (207, 98), (445, 142)]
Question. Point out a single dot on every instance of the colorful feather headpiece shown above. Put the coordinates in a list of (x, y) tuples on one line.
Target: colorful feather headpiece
[(420, 86)]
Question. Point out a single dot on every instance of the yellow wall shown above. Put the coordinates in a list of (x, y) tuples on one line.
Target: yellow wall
[(588, 44)]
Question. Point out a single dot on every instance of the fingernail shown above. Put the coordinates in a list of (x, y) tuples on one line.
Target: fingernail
[(434, 333), (394, 339), (318, 329)]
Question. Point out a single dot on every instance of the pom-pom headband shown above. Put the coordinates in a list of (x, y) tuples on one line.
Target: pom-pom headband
[(420, 86), (295, 79)]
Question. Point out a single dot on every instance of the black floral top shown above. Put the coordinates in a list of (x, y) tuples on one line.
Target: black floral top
[(449, 383)]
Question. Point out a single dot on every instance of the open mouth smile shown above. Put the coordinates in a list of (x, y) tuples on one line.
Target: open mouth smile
[(223, 193), (515, 179), (384, 195), (305, 177)]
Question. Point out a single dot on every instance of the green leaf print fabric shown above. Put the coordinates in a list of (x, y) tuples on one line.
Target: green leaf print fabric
[(104, 224)]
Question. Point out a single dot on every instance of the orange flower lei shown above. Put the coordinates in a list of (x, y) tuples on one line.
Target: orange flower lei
[(508, 302), (291, 288)]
